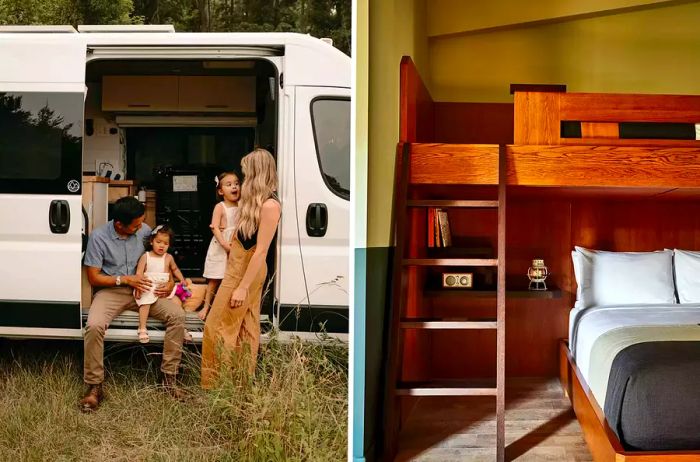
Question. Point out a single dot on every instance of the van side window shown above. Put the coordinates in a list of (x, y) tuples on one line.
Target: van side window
[(330, 117), (40, 141)]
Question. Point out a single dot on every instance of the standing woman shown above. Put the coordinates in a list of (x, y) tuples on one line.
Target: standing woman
[(234, 318)]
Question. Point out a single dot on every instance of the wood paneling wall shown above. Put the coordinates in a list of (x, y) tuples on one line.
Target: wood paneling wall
[(549, 228), (472, 123), (417, 110), (416, 124)]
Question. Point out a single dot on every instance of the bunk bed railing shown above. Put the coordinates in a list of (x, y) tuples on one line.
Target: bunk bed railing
[(547, 118), (655, 168)]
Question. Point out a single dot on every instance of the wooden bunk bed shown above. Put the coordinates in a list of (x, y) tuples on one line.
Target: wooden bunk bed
[(572, 178)]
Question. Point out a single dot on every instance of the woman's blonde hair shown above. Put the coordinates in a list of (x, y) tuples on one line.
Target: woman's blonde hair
[(259, 184)]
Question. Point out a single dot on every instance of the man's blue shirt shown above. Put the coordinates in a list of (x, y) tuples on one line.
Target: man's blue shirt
[(113, 254)]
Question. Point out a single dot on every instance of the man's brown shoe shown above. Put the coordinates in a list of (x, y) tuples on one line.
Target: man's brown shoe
[(91, 400), (170, 385)]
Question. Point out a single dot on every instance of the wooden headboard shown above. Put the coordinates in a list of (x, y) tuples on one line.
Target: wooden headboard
[(544, 118)]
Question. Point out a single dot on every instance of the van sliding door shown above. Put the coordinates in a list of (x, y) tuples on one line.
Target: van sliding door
[(322, 181), (42, 91)]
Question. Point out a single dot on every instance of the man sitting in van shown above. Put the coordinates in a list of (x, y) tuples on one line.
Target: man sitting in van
[(111, 257)]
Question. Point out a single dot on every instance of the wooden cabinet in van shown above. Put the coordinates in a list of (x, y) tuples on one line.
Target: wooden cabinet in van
[(139, 93), (217, 94), (125, 93)]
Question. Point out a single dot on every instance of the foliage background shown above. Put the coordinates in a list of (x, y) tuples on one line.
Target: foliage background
[(320, 18)]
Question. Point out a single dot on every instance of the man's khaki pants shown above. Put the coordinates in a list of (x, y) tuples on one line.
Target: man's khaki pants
[(108, 304)]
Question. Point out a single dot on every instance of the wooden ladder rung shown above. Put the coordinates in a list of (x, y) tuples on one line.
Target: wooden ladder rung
[(448, 323), (447, 388), (453, 203), (450, 262)]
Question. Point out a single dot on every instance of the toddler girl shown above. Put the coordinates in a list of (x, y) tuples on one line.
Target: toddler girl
[(158, 266), (223, 221)]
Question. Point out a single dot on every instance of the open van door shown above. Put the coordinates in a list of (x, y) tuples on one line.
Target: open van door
[(322, 181), (42, 91)]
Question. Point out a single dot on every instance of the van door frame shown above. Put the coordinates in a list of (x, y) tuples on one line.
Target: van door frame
[(275, 56)]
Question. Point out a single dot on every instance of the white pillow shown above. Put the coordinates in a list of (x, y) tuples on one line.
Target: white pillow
[(623, 278), (577, 274), (687, 267)]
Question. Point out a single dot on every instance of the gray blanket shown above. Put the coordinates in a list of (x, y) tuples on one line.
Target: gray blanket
[(652, 400)]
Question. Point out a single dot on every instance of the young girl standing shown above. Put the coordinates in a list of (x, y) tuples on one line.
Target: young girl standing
[(157, 265), (223, 221)]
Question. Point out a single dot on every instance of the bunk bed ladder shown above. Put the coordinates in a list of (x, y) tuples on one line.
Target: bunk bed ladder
[(395, 388)]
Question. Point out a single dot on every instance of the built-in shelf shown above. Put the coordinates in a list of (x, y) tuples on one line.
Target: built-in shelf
[(551, 293), (448, 388), (447, 323), (452, 203), (478, 250), (450, 262)]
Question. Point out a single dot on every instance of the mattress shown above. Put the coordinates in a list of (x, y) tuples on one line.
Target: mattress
[(642, 365), (587, 324)]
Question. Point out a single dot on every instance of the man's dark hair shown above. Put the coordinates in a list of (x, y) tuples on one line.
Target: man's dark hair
[(127, 209)]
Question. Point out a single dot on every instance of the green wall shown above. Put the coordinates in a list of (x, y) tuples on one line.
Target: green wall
[(656, 50)]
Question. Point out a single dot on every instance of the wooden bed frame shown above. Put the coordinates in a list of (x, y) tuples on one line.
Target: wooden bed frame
[(602, 441), (645, 167), (454, 150)]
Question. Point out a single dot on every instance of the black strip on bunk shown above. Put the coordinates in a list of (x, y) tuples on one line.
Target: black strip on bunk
[(657, 130), (570, 129)]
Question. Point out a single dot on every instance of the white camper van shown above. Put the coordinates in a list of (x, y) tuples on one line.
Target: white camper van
[(91, 115)]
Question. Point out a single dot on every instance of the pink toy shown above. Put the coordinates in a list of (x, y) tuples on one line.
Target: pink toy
[(182, 292)]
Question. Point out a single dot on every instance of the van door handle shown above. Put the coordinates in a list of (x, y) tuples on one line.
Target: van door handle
[(59, 216), (316, 220)]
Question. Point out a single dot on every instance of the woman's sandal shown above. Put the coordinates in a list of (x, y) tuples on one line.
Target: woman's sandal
[(143, 336)]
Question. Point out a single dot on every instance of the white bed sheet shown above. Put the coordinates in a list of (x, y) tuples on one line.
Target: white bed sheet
[(587, 324)]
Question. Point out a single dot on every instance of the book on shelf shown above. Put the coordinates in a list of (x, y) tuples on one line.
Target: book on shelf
[(438, 228), (444, 228), (431, 227)]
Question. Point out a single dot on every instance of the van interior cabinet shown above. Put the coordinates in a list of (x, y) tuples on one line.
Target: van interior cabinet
[(150, 216), (139, 93), (217, 94), (163, 93), (95, 204), (95, 201), (119, 189)]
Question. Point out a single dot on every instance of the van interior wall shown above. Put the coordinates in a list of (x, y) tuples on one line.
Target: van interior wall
[(177, 141)]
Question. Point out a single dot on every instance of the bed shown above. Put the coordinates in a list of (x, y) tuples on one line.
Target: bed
[(642, 364)]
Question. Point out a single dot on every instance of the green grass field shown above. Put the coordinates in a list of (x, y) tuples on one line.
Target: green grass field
[(294, 408)]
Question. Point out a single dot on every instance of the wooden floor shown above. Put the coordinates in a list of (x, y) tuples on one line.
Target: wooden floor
[(540, 426)]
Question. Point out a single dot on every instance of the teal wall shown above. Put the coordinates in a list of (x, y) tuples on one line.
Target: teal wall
[(371, 289)]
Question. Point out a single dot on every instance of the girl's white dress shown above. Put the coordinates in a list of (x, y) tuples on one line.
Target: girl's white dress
[(215, 262), (156, 273)]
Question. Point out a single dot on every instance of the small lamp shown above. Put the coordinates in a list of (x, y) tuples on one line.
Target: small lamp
[(537, 273)]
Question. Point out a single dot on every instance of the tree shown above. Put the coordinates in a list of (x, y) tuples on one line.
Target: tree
[(320, 18)]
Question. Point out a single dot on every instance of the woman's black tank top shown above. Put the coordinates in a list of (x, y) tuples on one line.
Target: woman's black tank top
[(252, 240)]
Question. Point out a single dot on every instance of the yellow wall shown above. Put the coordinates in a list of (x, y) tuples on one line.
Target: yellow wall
[(459, 16), (396, 28), (360, 86), (656, 50)]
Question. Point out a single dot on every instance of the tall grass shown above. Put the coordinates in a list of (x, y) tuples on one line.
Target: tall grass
[(294, 408)]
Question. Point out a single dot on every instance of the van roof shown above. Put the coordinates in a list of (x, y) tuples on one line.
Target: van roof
[(308, 60)]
